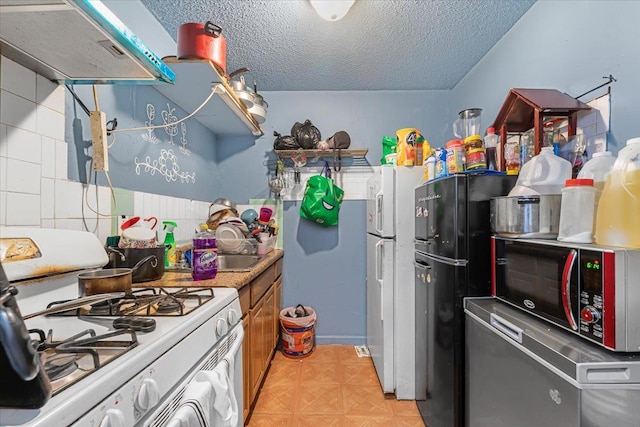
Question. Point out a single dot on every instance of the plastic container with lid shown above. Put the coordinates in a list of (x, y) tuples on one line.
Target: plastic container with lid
[(205, 255), (476, 159), (490, 146), (473, 141), (545, 173), (618, 217), (577, 211), (512, 157), (429, 168), (455, 156)]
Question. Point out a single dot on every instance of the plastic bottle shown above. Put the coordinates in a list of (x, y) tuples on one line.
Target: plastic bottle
[(545, 173), (490, 145), (455, 156), (527, 149), (169, 243), (618, 217), (577, 211), (205, 255), (512, 157)]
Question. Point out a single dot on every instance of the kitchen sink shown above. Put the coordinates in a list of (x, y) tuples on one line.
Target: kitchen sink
[(228, 262)]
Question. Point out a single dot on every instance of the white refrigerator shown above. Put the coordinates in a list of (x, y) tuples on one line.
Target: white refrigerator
[(390, 287)]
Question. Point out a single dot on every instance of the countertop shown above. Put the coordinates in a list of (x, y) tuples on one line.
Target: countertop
[(224, 279)]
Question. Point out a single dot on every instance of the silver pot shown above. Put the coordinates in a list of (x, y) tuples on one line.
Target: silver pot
[(526, 217), (240, 88), (259, 109)]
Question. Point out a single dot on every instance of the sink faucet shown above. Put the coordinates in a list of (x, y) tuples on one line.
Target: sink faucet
[(112, 253)]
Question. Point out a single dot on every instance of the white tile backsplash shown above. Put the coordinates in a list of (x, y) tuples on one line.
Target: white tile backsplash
[(24, 145), (3, 140), (47, 198), (50, 94), (23, 209), (48, 157), (50, 122), (3, 208), (17, 79), (62, 196), (23, 177), (3, 174), (61, 160), (17, 111)]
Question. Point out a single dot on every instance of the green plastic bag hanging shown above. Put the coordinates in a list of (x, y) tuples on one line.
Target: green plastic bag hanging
[(322, 200)]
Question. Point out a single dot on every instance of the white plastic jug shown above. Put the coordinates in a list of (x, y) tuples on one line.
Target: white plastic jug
[(545, 173), (618, 217), (598, 168)]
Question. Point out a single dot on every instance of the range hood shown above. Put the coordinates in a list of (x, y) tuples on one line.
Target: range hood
[(77, 42)]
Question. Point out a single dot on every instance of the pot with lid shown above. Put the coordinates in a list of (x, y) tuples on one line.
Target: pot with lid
[(203, 41), (239, 86)]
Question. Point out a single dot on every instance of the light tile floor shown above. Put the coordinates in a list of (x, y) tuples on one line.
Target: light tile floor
[(332, 387)]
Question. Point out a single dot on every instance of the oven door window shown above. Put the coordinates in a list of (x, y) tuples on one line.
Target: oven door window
[(533, 279)]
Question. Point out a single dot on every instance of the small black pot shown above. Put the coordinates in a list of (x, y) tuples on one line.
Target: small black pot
[(146, 272)]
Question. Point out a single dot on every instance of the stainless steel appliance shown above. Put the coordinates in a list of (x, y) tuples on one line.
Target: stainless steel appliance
[(587, 289), (524, 372), (124, 361), (390, 290), (452, 260)]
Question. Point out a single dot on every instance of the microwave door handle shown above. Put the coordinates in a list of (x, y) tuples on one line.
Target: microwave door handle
[(566, 289)]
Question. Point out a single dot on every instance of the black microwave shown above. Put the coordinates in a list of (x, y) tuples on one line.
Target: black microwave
[(590, 290)]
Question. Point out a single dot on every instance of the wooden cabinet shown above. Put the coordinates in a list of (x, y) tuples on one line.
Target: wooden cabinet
[(261, 302)]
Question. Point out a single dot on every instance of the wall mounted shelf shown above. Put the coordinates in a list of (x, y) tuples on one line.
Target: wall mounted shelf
[(317, 155), (224, 114)]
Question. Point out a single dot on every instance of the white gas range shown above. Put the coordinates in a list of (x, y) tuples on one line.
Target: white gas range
[(124, 377)]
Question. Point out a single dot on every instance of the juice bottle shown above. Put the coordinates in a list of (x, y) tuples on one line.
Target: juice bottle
[(205, 255), (490, 145), (618, 217)]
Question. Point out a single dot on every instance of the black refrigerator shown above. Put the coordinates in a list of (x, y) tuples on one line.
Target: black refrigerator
[(452, 261)]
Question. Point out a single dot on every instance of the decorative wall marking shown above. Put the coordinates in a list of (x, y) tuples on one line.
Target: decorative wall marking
[(149, 136), (183, 140), (168, 118), (167, 166)]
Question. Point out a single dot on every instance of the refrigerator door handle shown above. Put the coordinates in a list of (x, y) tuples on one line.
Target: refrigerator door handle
[(379, 273), (566, 289), (506, 327), (379, 212)]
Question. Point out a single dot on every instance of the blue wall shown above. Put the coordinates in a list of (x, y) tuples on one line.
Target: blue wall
[(129, 105), (326, 268), (569, 46)]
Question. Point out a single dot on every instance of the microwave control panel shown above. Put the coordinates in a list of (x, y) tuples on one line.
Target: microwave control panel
[(591, 294)]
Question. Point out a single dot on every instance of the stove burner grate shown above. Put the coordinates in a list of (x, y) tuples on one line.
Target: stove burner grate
[(146, 302)]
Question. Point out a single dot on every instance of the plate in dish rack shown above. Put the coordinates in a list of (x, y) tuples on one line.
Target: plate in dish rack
[(229, 239)]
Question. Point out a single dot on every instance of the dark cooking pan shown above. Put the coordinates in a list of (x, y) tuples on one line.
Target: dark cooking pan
[(110, 280), (129, 257)]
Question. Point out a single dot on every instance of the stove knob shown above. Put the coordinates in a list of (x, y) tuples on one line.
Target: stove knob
[(149, 395), (113, 418), (232, 317), (589, 314), (221, 327)]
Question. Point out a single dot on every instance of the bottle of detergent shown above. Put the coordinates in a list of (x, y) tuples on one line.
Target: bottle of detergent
[(205, 254), (169, 243)]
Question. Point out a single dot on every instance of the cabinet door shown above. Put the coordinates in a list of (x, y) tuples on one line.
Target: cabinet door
[(277, 296), (247, 397), (269, 333), (257, 346)]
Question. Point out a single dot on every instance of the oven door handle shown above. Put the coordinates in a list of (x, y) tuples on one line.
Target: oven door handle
[(566, 290)]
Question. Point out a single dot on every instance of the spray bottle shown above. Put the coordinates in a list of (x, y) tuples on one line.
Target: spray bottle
[(169, 243)]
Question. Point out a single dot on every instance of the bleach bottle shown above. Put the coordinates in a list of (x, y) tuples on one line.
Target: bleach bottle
[(169, 243), (205, 255)]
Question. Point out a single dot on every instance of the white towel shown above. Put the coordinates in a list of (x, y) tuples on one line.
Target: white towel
[(225, 405), (195, 406)]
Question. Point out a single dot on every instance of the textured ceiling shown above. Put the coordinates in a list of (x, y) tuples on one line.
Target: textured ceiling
[(379, 45)]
